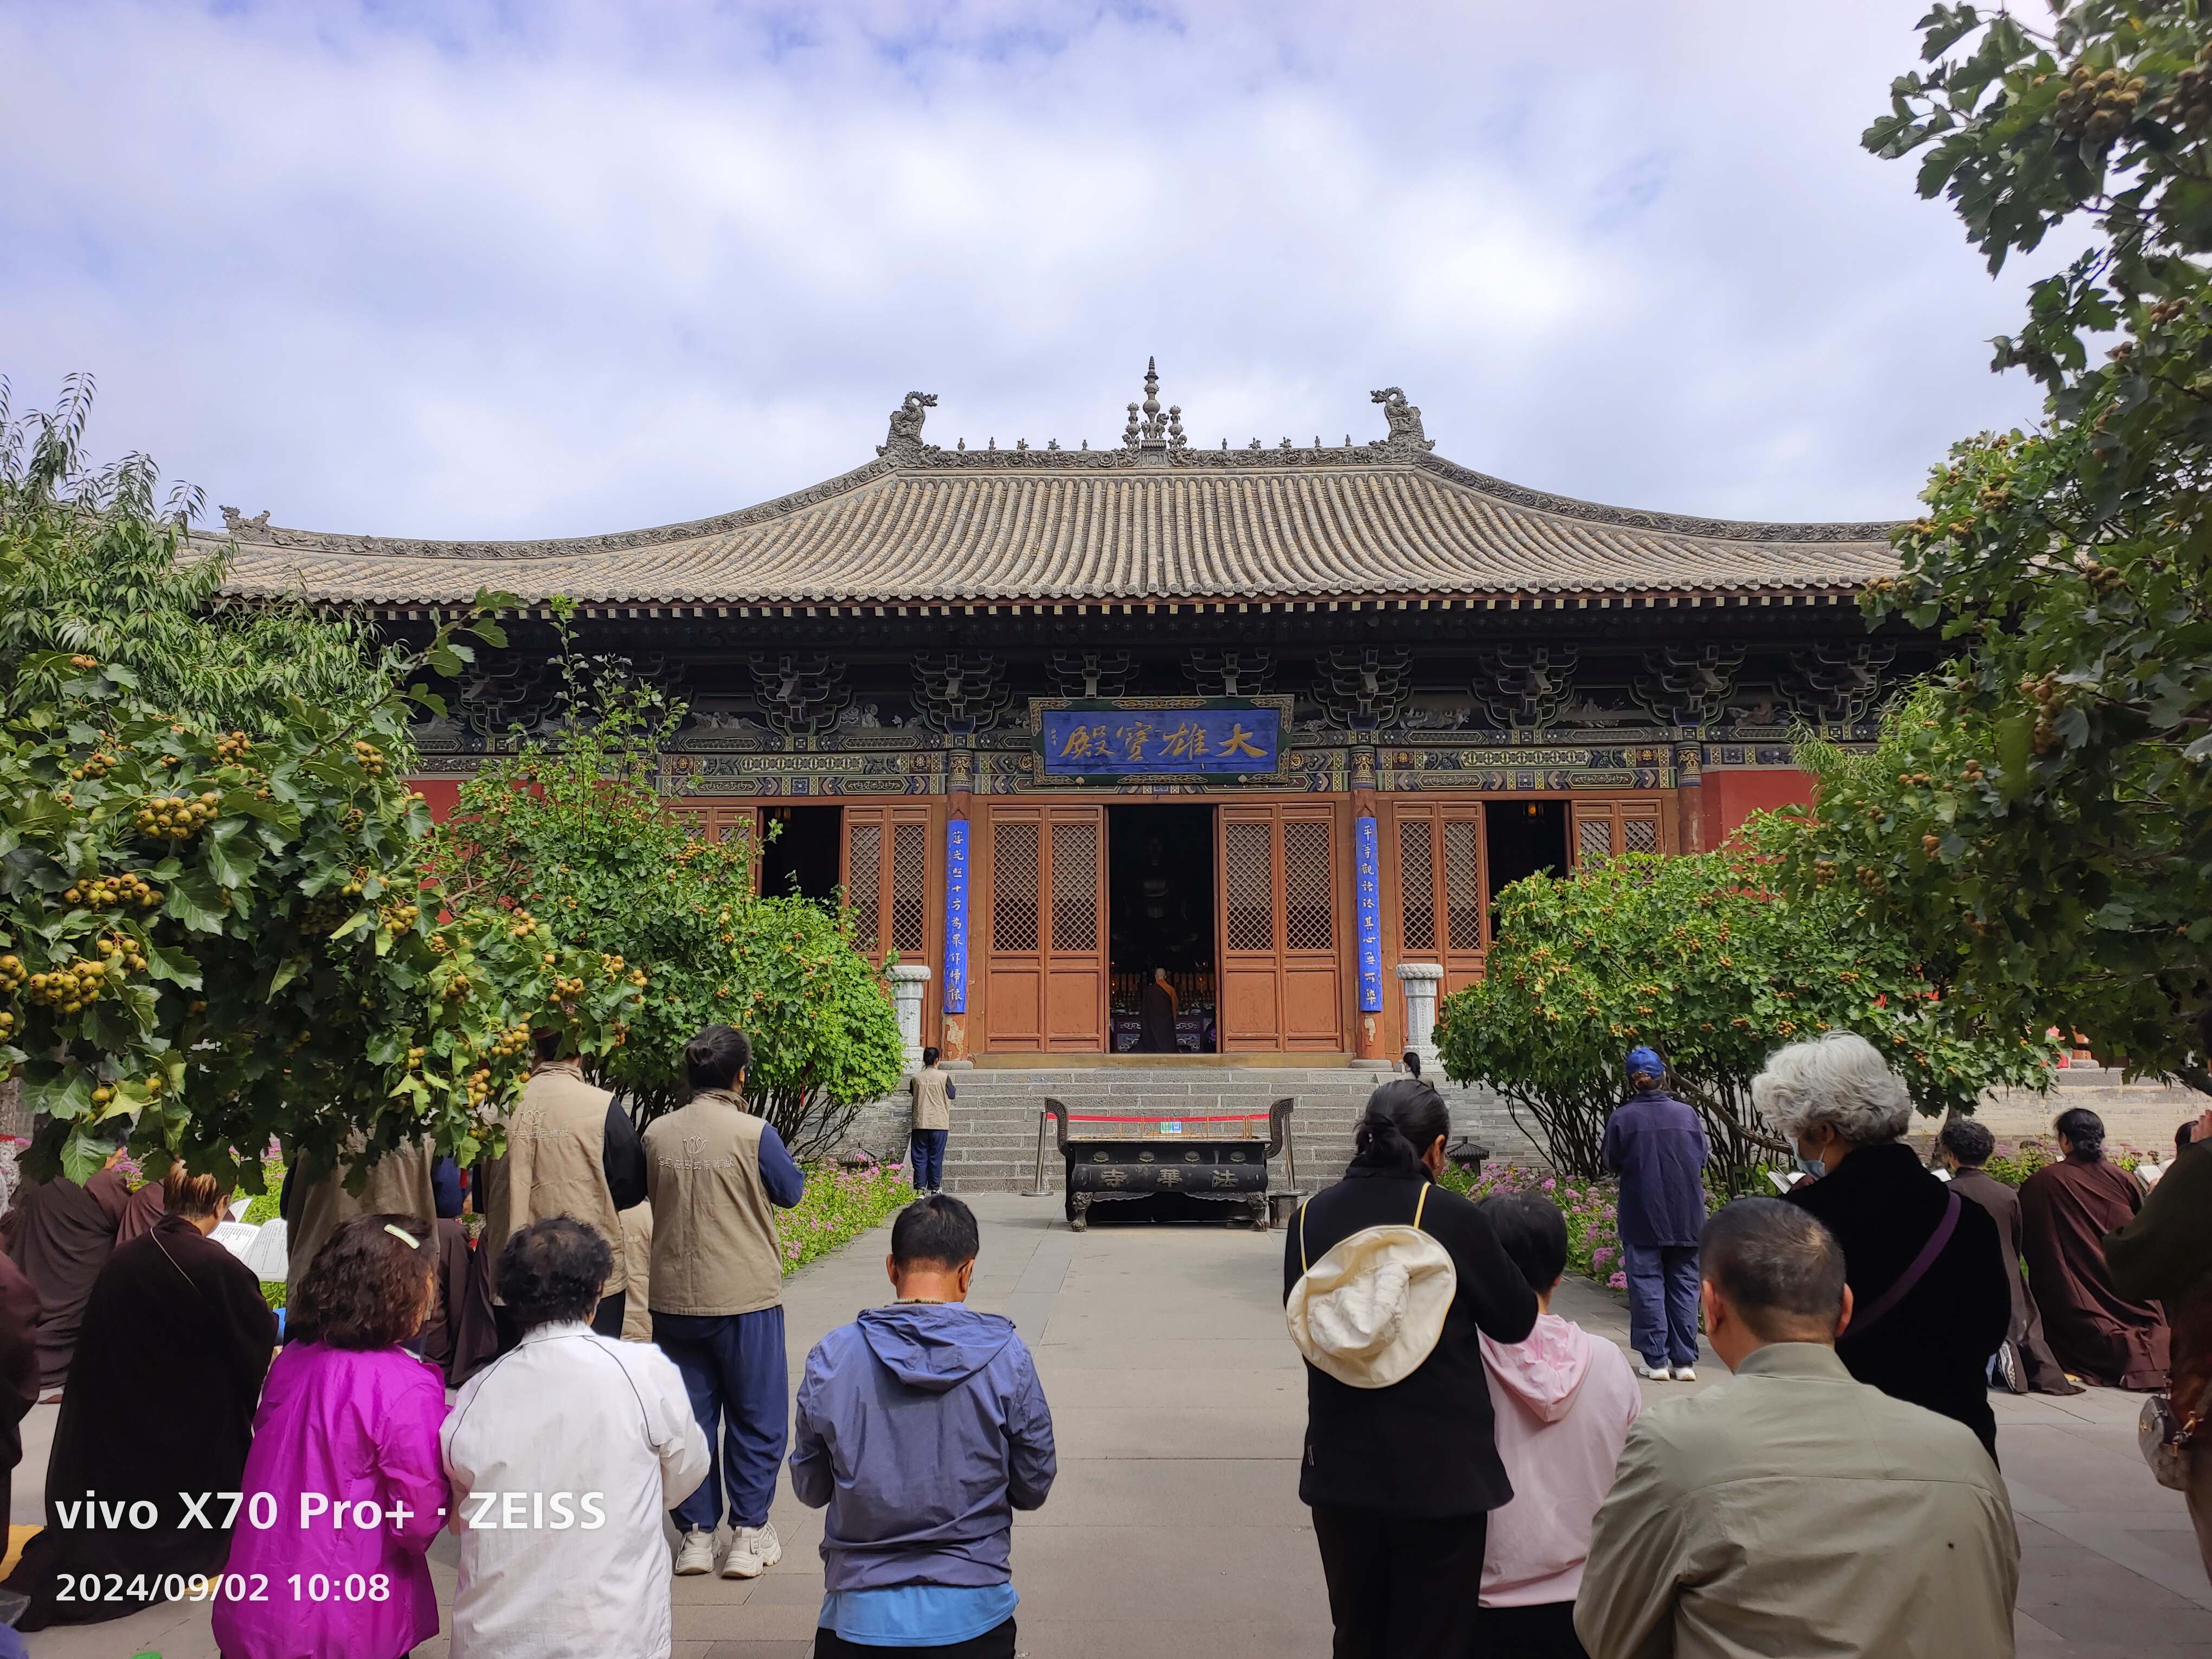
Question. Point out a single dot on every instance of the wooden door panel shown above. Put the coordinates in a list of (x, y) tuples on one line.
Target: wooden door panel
[(1046, 940), (1313, 1000), (1016, 1009), (1071, 1003), (1608, 828), (1282, 928), (1249, 1019)]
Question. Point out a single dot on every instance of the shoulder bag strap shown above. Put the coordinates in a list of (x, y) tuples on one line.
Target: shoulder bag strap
[(1304, 1266), (1913, 1275), (1420, 1204)]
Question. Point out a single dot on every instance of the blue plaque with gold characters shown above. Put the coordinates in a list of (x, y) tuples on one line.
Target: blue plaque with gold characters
[(1241, 738)]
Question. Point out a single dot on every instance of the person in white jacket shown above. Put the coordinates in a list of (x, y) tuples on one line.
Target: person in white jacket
[(1563, 1401), (564, 1454)]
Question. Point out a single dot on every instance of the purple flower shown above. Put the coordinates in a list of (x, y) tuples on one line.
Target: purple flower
[(1617, 1282)]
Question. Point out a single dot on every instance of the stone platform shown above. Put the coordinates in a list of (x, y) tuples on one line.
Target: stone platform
[(994, 1143)]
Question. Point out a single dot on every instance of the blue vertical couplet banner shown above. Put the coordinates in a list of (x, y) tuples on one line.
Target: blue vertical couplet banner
[(1368, 884), (956, 916)]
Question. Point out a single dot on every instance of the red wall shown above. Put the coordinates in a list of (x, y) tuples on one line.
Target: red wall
[(1727, 799), (441, 795)]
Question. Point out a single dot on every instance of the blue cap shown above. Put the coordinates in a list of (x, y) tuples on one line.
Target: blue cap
[(1645, 1059)]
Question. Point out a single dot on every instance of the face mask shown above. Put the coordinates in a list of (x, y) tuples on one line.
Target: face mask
[(1812, 1166)]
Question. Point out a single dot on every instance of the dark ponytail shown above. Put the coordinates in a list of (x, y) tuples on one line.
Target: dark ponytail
[(2086, 1130), (1404, 1118), (713, 1057)]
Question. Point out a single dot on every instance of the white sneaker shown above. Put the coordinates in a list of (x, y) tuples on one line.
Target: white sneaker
[(753, 1551), (695, 1554), (1686, 1373), (1654, 1373)]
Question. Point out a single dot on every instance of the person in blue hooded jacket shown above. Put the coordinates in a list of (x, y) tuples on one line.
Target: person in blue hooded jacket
[(1657, 1147), (923, 1427)]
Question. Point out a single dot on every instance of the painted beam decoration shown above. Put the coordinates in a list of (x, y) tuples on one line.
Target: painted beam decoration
[(1080, 738)]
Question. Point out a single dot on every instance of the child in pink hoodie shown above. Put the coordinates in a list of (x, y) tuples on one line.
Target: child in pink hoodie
[(344, 1489), (1563, 1401)]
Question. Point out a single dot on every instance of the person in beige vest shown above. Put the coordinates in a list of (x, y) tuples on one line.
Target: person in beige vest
[(1792, 1510), (571, 1151), (716, 1176), (637, 1273), (315, 1204), (932, 1095)]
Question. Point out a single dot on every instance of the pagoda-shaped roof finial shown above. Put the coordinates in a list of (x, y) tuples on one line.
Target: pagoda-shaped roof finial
[(1150, 431)]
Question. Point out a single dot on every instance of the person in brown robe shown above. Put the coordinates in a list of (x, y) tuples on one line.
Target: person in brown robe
[(2166, 1253), (63, 1235), (158, 1411), (2066, 1209), (19, 1370), (1156, 1018), (143, 1209), (1967, 1146)]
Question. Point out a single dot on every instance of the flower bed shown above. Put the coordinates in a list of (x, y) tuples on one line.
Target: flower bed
[(1590, 1207), (841, 1202)]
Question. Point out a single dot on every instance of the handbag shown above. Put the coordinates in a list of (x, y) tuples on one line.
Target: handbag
[(2164, 1437)]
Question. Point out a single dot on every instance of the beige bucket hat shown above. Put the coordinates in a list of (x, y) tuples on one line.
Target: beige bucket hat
[(1372, 1309)]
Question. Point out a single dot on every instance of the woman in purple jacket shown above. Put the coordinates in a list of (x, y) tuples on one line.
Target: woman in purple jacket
[(344, 1489)]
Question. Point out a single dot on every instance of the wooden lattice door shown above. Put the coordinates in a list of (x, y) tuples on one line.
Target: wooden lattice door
[(724, 820), (1605, 829), (887, 881), (1045, 940), (1282, 968), (1441, 915)]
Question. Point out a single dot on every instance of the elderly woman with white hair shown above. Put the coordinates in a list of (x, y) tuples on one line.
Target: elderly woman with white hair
[(1929, 1299)]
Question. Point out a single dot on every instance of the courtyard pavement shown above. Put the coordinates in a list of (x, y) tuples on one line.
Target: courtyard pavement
[(1175, 1527)]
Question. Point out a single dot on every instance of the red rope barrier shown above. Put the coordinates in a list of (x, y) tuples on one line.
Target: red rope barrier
[(1232, 1117)]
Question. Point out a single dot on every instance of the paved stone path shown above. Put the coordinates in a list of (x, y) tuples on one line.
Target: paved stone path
[(1176, 1527)]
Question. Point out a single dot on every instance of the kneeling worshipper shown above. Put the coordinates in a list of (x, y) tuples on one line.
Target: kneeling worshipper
[(19, 1370), (2066, 1209), (60, 1234), (158, 1413)]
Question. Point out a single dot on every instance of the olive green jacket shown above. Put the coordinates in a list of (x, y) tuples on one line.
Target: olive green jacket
[(1792, 1510)]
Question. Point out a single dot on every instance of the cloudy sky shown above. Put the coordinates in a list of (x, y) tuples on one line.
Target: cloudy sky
[(483, 267)]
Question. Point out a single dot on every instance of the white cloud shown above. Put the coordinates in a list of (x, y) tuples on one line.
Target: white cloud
[(470, 271)]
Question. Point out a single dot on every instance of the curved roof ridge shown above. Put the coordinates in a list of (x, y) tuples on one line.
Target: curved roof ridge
[(1729, 530), (1152, 519), (260, 530)]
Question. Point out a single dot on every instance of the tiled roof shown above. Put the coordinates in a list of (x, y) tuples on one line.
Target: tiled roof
[(924, 525)]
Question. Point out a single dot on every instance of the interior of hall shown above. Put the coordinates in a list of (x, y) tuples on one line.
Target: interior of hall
[(1161, 904)]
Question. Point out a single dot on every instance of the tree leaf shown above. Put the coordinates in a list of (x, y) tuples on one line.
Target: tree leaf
[(232, 854), (173, 964), (196, 901)]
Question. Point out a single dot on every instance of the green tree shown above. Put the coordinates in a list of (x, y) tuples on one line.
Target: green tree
[(580, 833), (225, 936), (1708, 960), (2040, 823), (96, 567)]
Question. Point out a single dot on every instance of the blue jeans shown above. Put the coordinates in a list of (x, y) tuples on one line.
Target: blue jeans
[(733, 1368), (928, 1147), (1662, 1302)]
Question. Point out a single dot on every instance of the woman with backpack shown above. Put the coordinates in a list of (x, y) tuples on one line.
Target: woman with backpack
[(1389, 1284)]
